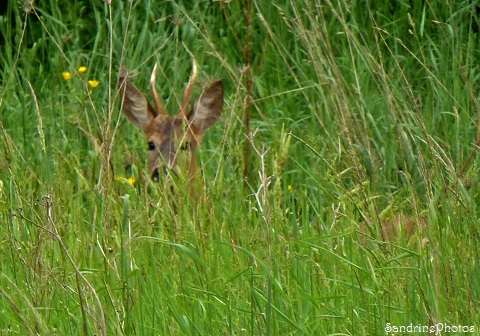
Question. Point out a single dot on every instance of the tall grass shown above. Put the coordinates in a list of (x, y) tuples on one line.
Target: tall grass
[(362, 119)]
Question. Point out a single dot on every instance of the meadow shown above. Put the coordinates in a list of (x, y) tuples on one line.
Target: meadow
[(338, 190)]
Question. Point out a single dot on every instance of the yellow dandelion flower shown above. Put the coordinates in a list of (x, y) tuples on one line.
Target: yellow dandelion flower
[(131, 180), (66, 75), (289, 187), (82, 69), (93, 83)]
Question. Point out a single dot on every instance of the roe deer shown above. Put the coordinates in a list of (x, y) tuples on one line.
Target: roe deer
[(392, 229), (167, 135)]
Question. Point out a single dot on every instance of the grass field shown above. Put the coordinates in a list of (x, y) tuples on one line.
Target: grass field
[(347, 205)]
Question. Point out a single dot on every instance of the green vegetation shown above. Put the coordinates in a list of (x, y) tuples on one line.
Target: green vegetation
[(363, 119)]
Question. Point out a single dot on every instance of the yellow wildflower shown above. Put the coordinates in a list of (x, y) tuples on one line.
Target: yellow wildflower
[(131, 180), (289, 187), (66, 75), (93, 83), (82, 69)]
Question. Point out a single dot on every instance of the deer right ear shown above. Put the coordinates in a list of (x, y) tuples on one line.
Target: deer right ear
[(134, 104), (208, 107)]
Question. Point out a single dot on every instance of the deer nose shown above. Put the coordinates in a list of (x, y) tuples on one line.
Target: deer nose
[(156, 172), (155, 175)]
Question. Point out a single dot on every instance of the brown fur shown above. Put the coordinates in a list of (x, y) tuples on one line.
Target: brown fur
[(393, 229)]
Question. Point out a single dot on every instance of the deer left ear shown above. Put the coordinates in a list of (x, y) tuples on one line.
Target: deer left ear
[(208, 107), (134, 104)]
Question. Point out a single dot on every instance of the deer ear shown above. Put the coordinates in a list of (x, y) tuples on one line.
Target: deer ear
[(134, 104), (208, 107)]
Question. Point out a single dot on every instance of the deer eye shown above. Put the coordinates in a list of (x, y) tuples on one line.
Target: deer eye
[(151, 145)]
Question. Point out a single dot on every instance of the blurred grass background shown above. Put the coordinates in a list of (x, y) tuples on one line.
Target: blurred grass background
[(363, 121)]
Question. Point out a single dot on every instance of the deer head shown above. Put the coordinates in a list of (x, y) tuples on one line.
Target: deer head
[(168, 135)]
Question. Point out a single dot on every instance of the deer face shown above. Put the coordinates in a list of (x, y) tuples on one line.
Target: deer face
[(167, 135)]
